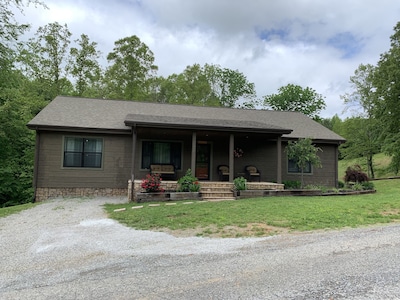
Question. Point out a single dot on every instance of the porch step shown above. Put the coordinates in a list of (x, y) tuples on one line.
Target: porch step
[(217, 191)]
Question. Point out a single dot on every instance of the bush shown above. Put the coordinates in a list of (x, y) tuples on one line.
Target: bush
[(188, 183), (341, 184), (292, 184), (152, 183), (240, 183), (368, 185), (355, 174)]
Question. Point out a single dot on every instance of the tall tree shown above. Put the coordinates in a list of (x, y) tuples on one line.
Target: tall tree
[(295, 98), (84, 67), (132, 67), (386, 79), (210, 85), (230, 86), (17, 106), (303, 152), (45, 57), (363, 131)]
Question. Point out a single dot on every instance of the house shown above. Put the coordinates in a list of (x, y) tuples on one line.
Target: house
[(94, 146)]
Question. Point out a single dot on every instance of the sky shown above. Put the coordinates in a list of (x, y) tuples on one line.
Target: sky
[(311, 43)]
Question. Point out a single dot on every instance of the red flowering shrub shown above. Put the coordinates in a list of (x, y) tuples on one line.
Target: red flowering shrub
[(152, 183)]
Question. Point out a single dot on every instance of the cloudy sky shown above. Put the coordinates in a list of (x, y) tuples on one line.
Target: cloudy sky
[(312, 43)]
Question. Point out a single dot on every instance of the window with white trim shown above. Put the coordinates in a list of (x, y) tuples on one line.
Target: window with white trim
[(81, 152)]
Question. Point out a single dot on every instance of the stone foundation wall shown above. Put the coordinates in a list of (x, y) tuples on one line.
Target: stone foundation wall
[(43, 194)]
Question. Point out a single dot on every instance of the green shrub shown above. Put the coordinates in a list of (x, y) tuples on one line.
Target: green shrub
[(188, 183), (341, 184), (240, 183), (368, 185), (292, 184)]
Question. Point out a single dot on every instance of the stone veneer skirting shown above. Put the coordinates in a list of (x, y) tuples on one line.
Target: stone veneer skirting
[(51, 193)]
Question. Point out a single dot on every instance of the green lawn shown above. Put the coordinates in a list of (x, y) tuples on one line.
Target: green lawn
[(5, 211), (266, 216)]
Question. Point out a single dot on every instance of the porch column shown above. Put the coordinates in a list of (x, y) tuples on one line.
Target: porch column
[(279, 160), (134, 138), (231, 157), (193, 158)]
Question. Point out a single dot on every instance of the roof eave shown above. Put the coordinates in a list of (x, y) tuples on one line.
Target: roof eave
[(205, 127), (78, 129)]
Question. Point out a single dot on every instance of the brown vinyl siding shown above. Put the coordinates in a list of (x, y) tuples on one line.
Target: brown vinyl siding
[(114, 173), (325, 176)]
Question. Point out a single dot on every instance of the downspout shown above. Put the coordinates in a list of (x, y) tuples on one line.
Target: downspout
[(36, 164)]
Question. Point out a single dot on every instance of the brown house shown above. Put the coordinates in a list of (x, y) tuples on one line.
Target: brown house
[(94, 146)]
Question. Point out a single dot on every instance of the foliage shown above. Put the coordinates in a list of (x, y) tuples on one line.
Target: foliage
[(210, 85), (386, 80), (368, 185), (188, 183), (132, 66), (240, 183), (291, 184), (295, 98), (355, 174), (151, 183), (44, 57), (362, 137), (84, 67), (290, 213), (304, 153)]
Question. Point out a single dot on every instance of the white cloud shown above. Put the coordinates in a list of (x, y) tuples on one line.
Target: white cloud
[(307, 42)]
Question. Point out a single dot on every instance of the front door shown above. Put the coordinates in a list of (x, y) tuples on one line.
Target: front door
[(203, 151)]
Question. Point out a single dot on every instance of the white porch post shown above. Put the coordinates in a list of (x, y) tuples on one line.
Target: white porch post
[(231, 157), (193, 158), (279, 160)]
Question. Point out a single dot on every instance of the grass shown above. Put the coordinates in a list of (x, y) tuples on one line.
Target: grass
[(381, 164), (5, 211), (266, 216)]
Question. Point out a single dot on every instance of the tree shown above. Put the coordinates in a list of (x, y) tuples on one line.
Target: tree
[(386, 80), (363, 131), (17, 106), (84, 67), (210, 85), (295, 98), (44, 59), (230, 86), (303, 152), (362, 137), (132, 67)]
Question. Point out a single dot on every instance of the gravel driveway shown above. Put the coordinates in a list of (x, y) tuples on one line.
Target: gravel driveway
[(68, 249)]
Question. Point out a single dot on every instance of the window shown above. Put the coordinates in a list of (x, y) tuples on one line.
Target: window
[(161, 153), (83, 152), (293, 168)]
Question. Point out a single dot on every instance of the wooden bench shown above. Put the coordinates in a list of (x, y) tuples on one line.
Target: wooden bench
[(165, 170)]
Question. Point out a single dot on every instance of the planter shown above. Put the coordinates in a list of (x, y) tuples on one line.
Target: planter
[(151, 197), (184, 196)]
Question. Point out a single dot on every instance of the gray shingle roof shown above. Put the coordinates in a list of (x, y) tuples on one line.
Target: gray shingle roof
[(84, 113)]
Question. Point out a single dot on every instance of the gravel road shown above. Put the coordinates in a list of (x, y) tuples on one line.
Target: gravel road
[(68, 249)]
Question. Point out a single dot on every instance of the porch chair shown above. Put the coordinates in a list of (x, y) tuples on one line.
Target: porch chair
[(252, 172), (223, 172)]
